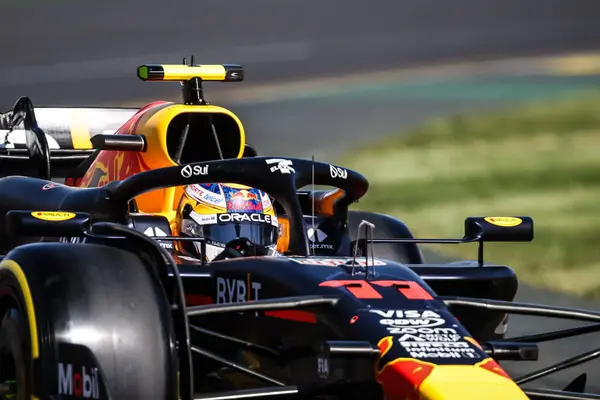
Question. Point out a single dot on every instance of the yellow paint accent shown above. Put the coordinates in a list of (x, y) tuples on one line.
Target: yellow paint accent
[(576, 64), (17, 271), (80, 132), (185, 72), (468, 382), (506, 222), (53, 215), (154, 127)]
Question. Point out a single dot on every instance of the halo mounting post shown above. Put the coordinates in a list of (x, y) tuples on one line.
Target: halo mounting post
[(191, 90)]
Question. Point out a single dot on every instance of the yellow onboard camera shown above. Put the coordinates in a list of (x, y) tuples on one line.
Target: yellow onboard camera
[(213, 73), (191, 77)]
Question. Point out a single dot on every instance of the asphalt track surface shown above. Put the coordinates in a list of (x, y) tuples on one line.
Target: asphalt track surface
[(84, 52), (71, 51)]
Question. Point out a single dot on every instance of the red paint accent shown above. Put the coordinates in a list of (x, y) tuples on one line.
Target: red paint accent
[(364, 290), (118, 165), (402, 379), (77, 385), (360, 289), (294, 315), (73, 182), (197, 300), (414, 291), (493, 366)]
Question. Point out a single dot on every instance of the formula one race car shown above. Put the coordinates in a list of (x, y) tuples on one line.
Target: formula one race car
[(96, 302)]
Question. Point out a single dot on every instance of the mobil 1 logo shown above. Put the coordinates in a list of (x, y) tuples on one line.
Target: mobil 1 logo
[(421, 348)]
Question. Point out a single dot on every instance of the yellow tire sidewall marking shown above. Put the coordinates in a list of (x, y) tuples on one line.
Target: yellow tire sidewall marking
[(17, 271)]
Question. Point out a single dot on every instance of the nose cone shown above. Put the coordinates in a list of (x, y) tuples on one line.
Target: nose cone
[(412, 379), (470, 382)]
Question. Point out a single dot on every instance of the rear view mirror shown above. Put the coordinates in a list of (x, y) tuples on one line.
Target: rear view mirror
[(47, 223), (499, 229)]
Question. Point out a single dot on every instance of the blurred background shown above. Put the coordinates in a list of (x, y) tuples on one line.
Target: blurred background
[(449, 108)]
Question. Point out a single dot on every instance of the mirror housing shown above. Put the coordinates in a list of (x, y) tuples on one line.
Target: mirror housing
[(499, 229), (47, 223)]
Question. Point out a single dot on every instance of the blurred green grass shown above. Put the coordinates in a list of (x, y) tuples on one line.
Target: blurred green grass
[(540, 159)]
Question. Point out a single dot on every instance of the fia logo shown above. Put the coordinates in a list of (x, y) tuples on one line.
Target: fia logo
[(283, 165)]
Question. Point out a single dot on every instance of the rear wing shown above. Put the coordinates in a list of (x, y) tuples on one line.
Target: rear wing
[(65, 130)]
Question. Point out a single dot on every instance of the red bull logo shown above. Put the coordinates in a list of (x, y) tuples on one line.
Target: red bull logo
[(243, 201)]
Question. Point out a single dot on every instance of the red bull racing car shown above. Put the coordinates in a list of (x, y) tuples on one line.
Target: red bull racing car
[(97, 302)]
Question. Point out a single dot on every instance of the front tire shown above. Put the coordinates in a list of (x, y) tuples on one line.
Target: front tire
[(85, 320), (15, 361)]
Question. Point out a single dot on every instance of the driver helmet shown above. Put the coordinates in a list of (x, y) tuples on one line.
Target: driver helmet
[(221, 213)]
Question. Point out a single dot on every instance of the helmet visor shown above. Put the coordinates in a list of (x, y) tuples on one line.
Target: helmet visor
[(260, 229)]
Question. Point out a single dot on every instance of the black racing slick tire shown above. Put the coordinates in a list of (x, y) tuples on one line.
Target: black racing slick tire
[(386, 227), (14, 362), (85, 321)]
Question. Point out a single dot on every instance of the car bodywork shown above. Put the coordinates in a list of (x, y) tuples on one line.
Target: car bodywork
[(326, 319)]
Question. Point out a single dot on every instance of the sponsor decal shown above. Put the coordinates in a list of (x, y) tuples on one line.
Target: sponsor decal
[(154, 231), (323, 363), (203, 219), (202, 195), (247, 217), (78, 382), (157, 232), (194, 170), (421, 349), (243, 200), (317, 237), (408, 318), (237, 290), (53, 215), (266, 200), (335, 262), (337, 172), (49, 186), (504, 221), (284, 166), (428, 334)]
